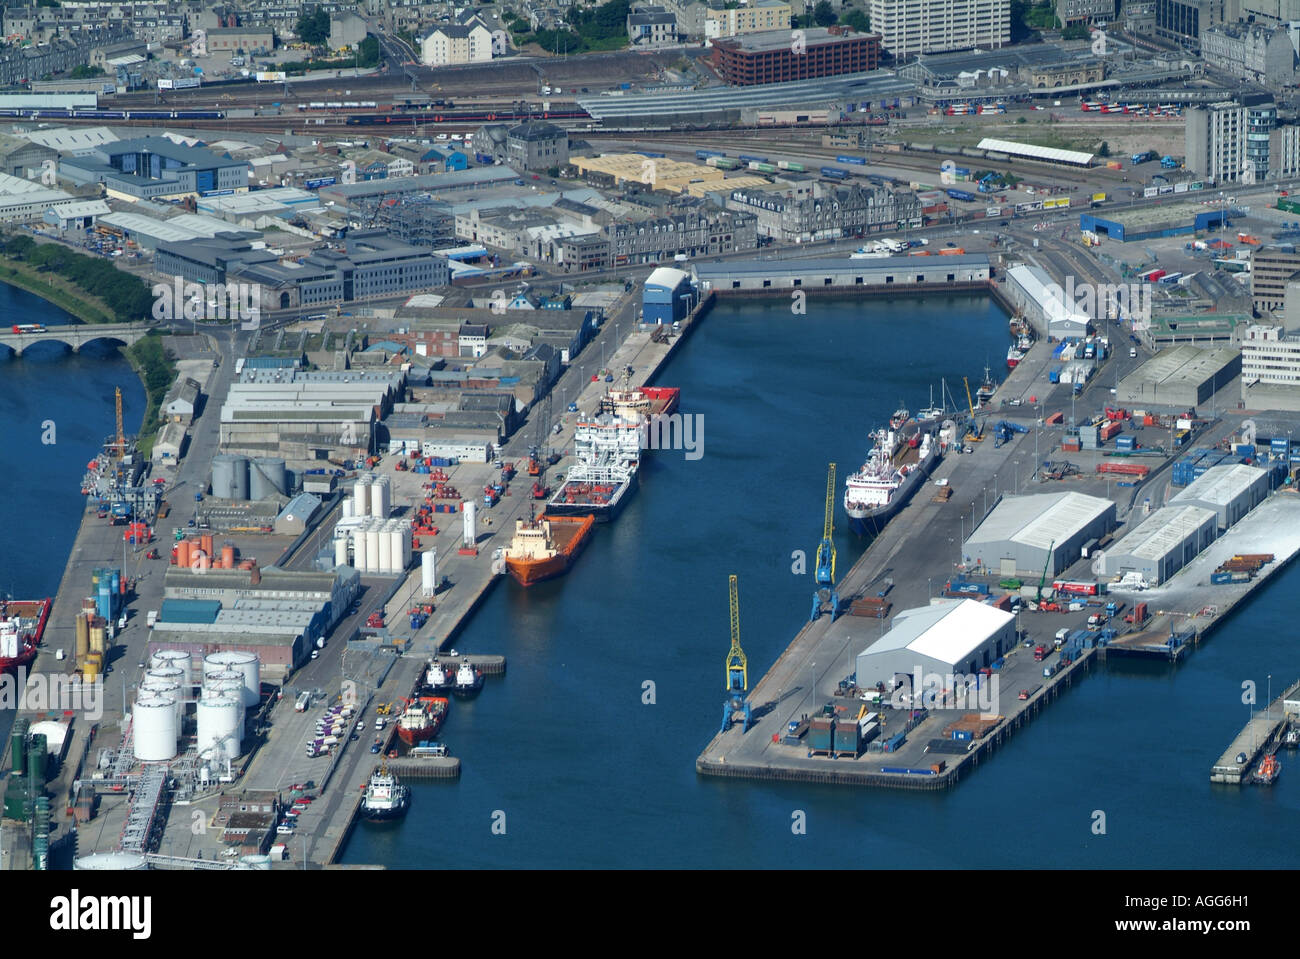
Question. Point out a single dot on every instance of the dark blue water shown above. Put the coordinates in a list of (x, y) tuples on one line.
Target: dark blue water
[(587, 775), (40, 481)]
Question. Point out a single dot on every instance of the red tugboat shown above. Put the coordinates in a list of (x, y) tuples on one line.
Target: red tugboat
[(421, 719), (22, 622), (1268, 771)]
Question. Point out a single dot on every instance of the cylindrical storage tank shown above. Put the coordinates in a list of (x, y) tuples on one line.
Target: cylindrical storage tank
[(216, 676), (373, 555), (117, 583), (183, 549), (360, 557), (361, 494), (266, 478), (227, 556), (90, 669), (385, 564), (18, 748), (161, 689), (247, 666), (471, 530), (207, 545), (83, 637), (110, 862), (153, 730), (231, 689), (429, 572), (95, 635), (379, 498), (175, 659), (105, 607), (349, 507), (38, 758), (220, 729), (341, 551), (223, 476), (168, 674), (407, 528), (395, 543)]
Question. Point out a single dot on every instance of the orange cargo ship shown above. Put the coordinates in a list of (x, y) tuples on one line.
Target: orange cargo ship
[(545, 548)]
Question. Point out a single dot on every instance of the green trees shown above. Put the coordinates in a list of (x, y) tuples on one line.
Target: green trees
[(822, 13), (856, 19), (126, 295), (314, 29)]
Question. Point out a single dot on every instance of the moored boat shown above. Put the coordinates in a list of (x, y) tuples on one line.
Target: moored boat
[(385, 798), (896, 465), (1268, 770), (421, 719), (22, 623), (546, 547), (469, 681)]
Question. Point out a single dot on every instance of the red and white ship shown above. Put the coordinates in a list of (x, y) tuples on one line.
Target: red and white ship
[(21, 624), (1017, 351), (636, 405), (421, 719)]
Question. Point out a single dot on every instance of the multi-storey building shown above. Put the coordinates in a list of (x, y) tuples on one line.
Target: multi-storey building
[(909, 27), (1242, 141), (699, 231), (1185, 21), (456, 43), (1070, 12), (778, 56), (1270, 356), (1271, 267), (1259, 54), (649, 24), (827, 213), (760, 16)]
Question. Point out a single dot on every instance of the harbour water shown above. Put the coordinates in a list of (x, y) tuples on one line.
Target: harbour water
[(565, 751)]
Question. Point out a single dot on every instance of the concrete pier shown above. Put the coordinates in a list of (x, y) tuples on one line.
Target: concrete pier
[(1259, 735)]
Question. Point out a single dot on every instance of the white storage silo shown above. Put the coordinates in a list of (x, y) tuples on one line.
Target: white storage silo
[(385, 550), (361, 493), (429, 572), (341, 551), (380, 498), (175, 659), (246, 665), (359, 555), (373, 555), (161, 689), (221, 727), (349, 507), (231, 689), (153, 729), (171, 674), (110, 861), (395, 547), (471, 530), (407, 528)]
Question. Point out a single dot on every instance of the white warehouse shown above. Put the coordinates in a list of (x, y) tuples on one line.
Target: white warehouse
[(951, 636), (1163, 543), (1044, 302), (1018, 536), (1232, 490)]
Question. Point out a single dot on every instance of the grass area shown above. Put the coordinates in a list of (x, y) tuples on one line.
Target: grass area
[(157, 371), (56, 290), (1041, 132)]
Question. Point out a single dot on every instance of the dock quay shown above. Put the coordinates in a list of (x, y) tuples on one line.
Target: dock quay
[(1260, 735)]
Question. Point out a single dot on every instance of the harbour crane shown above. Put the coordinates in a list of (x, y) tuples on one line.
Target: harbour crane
[(974, 432), (825, 572), (1043, 579), (737, 669)]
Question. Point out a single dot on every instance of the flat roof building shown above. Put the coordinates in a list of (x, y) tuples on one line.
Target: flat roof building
[(1153, 222), (1025, 534), (1182, 376), (773, 57)]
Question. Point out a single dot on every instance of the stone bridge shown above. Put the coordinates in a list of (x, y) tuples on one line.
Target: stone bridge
[(75, 336)]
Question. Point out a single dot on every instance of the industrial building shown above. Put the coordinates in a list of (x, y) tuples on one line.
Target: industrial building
[(1153, 222), (482, 177), (1270, 368), (772, 57), (151, 167), (1231, 490), (1162, 544), (1271, 268), (843, 274), (945, 638), (1042, 300), (668, 296), (1024, 535), (1032, 151), (1184, 377)]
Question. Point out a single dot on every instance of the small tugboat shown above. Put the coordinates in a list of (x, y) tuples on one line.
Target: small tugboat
[(469, 681), (1267, 771), (1292, 739), (386, 798), (437, 678), (421, 719)]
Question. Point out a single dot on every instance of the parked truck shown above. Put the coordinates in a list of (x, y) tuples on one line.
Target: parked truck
[(151, 618)]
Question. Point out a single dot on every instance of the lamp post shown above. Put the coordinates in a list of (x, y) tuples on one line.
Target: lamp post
[(1015, 477)]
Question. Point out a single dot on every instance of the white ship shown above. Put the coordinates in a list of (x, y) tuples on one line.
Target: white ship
[(386, 798), (607, 455), (896, 465)]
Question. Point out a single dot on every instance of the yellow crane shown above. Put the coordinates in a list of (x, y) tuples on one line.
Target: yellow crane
[(974, 432), (825, 569), (737, 667)]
